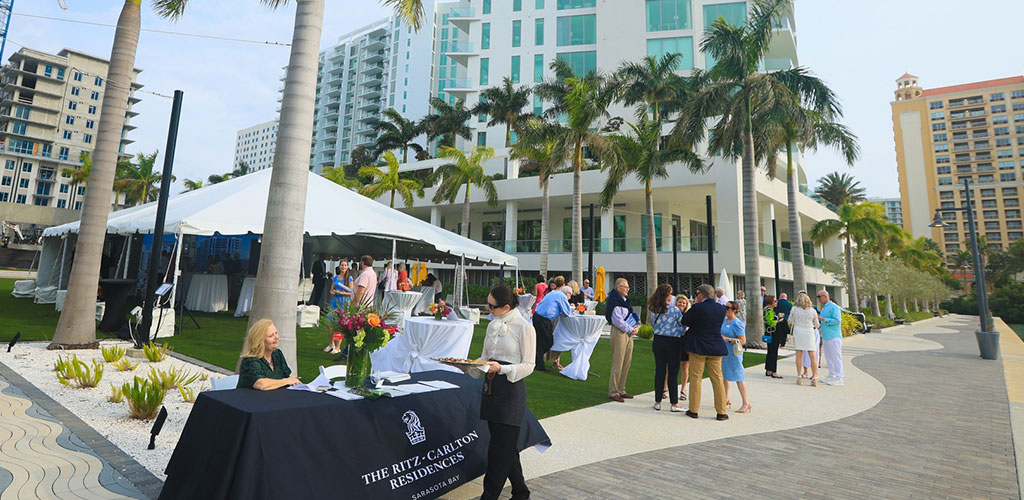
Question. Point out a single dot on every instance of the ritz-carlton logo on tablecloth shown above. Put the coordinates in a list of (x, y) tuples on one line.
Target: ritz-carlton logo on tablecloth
[(414, 429)]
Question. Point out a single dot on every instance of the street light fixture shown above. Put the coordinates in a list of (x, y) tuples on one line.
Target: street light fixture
[(988, 340)]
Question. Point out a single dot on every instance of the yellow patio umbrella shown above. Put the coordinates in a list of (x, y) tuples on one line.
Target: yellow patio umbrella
[(600, 294), (417, 270)]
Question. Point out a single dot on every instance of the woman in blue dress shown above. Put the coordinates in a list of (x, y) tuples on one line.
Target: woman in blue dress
[(341, 295), (733, 332)]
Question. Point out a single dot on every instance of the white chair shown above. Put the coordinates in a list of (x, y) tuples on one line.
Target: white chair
[(334, 371), (224, 383), (24, 288)]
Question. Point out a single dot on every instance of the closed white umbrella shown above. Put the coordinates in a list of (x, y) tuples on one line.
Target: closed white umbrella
[(725, 284)]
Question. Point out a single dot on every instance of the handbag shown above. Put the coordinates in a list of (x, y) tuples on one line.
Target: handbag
[(737, 348), (767, 339)]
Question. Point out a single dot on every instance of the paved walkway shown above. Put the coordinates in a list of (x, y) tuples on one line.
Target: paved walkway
[(40, 458), (942, 430)]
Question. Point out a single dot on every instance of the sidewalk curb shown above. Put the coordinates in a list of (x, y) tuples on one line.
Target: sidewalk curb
[(1012, 357)]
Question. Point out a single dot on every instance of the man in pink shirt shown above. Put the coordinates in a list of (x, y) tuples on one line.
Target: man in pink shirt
[(366, 283)]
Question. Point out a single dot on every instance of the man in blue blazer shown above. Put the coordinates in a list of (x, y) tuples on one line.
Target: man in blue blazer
[(703, 342)]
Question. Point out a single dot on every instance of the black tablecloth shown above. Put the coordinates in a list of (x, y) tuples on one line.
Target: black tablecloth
[(283, 444)]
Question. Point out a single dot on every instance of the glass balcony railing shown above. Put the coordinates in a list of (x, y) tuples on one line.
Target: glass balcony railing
[(461, 12), (613, 245), (459, 47), (766, 250)]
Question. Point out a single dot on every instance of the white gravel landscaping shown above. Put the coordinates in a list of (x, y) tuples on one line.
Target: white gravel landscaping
[(32, 361)]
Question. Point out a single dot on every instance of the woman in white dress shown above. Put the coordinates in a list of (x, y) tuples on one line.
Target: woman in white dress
[(803, 319)]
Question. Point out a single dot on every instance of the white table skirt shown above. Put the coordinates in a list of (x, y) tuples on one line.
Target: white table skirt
[(425, 338), (426, 297), (526, 302), (208, 293), (579, 335), (401, 305), (245, 297)]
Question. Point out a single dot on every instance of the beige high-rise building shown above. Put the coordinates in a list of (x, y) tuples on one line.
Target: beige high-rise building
[(49, 115), (945, 135)]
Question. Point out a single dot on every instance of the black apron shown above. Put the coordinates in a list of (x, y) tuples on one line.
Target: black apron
[(503, 402)]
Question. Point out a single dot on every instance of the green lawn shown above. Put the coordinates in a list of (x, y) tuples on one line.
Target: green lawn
[(220, 337), (1019, 329)]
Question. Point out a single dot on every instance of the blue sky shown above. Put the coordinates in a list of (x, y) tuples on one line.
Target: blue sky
[(858, 46)]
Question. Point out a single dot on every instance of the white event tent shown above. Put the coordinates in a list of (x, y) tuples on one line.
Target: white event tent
[(338, 221)]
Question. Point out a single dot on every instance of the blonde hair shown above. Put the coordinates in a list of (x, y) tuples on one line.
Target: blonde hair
[(740, 294), (559, 281), (803, 301), (254, 347), (575, 287)]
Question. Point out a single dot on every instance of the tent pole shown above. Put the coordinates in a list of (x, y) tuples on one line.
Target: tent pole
[(517, 277), (177, 265), (127, 255), (394, 253), (120, 258), (63, 256)]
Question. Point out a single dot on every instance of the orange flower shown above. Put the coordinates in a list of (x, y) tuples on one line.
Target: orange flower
[(373, 319)]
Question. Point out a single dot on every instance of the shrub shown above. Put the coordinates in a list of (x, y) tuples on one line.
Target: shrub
[(156, 352), (878, 321), (849, 324), (61, 366), (116, 396), (964, 304), (171, 378), (113, 353), (125, 365), (646, 332), (1006, 302), (203, 377), (188, 394), (78, 372), (143, 398)]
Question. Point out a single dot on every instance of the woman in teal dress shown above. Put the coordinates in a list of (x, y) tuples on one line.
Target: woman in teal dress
[(733, 332), (263, 366), (341, 289)]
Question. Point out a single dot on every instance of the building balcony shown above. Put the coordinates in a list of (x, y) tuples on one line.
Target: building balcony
[(375, 56), (370, 93), (369, 104), (377, 43), (605, 245), (766, 250), (367, 117), (460, 86), (373, 68), (462, 16)]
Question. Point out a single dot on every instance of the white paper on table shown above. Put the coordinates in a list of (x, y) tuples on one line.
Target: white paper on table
[(439, 384), (320, 380), (415, 388), (343, 393), (392, 391), (388, 374)]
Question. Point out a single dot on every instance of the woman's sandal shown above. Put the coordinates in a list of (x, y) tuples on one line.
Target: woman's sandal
[(682, 396), (745, 409), (776, 375)]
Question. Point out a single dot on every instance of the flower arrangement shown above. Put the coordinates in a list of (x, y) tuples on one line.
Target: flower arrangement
[(440, 310), (362, 330), (405, 286), (519, 291), (581, 308)]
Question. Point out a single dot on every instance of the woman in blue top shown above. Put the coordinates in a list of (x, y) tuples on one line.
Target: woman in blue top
[(668, 344), (341, 295), (733, 332)]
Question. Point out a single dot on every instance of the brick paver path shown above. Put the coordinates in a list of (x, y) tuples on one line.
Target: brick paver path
[(941, 431)]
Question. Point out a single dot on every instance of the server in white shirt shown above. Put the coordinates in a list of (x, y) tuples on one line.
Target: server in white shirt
[(510, 348)]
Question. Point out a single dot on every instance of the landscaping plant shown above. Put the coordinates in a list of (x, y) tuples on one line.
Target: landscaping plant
[(116, 396), (156, 352), (171, 378), (188, 394), (143, 398), (78, 372), (113, 353), (125, 365), (850, 323)]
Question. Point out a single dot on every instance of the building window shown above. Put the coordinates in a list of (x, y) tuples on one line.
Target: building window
[(575, 4), (581, 63), (1007, 177), (664, 15), (485, 65), (1000, 120), (75, 90), (538, 68), (941, 148), (732, 13), (62, 204), (481, 139), (942, 159), (98, 82), (996, 97), (19, 128), (94, 95), (1006, 165), (935, 105), (1001, 131), (90, 124), (539, 5), (81, 190), (64, 188), (999, 108), (939, 115), (576, 30), (683, 46), (939, 138), (6, 181), (47, 150), (77, 76), (943, 169), (92, 110), (60, 73), (538, 106), (9, 165), (517, 5), (515, 69), (1017, 94), (485, 36), (72, 105), (19, 199), (538, 32), (487, 7), (87, 138), (23, 183), (67, 135), (945, 181), (938, 126), (517, 33), (482, 117)]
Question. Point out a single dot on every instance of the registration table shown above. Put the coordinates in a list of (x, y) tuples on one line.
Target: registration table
[(401, 304), (245, 297), (247, 444), (578, 335), (424, 338), (208, 293)]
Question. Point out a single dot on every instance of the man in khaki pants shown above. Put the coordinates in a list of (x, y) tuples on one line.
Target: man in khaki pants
[(703, 342), (617, 311)]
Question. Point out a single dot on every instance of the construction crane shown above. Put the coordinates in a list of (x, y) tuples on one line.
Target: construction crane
[(5, 22)]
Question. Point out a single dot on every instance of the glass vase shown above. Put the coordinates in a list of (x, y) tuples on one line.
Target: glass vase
[(359, 367)]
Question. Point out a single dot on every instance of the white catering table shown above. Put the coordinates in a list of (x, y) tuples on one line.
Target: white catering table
[(526, 302), (578, 335), (401, 305), (426, 297), (245, 297), (425, 338), (208, 293)]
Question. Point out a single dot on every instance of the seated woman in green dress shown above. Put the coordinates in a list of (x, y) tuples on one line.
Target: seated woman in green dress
[(263, 366)]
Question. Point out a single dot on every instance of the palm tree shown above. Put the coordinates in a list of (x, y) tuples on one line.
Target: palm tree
[(241, 169), (191, 185), (738, 93), (337, 175), (856, 223), (651, 83), (218, 178), (793, 126), (79, 174), (504, 105), (638, 155), (461, 171), (963, 260), (138, 181), (384, 181), (447, 122), (537, 147), (582, 102), (837, 190), (397, 132)]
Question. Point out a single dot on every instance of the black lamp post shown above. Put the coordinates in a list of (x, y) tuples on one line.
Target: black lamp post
[(988, 339)]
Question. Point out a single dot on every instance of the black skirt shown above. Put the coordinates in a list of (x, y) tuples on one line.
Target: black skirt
[(503, 402)]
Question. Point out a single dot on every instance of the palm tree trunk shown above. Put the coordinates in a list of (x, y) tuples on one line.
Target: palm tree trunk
[(851, 283), (905, 311), (405, 158), (74, 329), (873, 300), (392, 198), (281, 256), (652, 249), (796, 237), (508, 135), (751, 241), (917, 305), (465, 214), (577, 209), (545, 214)]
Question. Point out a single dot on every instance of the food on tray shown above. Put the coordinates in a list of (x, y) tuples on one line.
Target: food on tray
[(460, 361)]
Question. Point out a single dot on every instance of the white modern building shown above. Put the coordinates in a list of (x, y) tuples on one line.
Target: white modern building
[(519, 39), (893, 209), (255, 146)]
